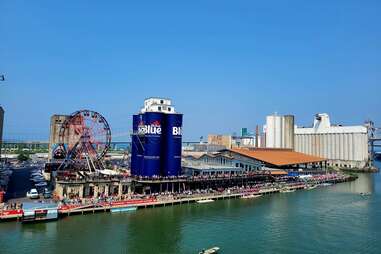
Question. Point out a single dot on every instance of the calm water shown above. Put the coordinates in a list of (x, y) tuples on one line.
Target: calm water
[(331, 220)]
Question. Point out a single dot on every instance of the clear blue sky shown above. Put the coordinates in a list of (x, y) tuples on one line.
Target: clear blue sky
[(225, 64)]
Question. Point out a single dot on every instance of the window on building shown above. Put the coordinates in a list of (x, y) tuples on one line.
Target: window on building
[(161, 101), (159, 108), (236, 165), (169, 109)]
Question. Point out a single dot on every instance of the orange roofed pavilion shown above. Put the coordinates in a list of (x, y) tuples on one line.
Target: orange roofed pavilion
[(278, 157)]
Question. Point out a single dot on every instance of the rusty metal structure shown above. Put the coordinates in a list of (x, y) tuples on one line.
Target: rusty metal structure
[(84, 139), (374, 137)]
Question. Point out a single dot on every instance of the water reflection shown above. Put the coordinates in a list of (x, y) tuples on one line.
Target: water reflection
[(364, 184), (334, 219), (154, 231), (39, 228)]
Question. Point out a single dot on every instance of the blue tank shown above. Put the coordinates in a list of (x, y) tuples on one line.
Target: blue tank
[(140, 144), (135, 146), (152, 130), (173, 142)]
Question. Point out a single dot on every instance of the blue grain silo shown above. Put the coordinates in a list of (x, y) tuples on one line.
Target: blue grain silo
[(153, 145), (157, 140), (172, 144)]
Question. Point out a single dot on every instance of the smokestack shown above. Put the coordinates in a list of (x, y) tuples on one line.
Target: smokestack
[(257, 136)]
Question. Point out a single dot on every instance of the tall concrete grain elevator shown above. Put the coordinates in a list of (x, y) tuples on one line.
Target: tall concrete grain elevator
[(156, 139)]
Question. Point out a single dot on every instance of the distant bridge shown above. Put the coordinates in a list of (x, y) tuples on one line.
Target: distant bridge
[(41, 145)]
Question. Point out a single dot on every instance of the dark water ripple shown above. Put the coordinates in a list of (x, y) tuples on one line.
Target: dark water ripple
[(336, 219)]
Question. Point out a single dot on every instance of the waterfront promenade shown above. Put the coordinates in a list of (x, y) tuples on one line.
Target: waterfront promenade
[(83, 206)]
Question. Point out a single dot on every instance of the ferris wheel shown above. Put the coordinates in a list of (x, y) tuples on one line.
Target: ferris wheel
[(85, 138)]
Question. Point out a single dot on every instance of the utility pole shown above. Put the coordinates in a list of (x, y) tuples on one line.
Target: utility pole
[(2, 78)]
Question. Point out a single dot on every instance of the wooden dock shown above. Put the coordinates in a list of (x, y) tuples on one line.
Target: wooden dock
[(153, 202), (158, 203)]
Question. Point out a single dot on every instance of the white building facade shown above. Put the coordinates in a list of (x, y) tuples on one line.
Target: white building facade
[(343, 146)]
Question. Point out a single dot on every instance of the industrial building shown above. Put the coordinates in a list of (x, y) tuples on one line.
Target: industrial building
[(221, 140), (279, 131), (343, 146), (156, 139), (1, 128)]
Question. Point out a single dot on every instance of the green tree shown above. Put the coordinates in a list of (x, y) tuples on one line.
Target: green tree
[(23, 157)]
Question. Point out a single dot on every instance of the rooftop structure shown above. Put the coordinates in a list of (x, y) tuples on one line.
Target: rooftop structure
[(158, 105), (322, 125), (278, 157)]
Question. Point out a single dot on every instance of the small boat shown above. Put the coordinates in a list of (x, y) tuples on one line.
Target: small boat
[(311, 187), (210, 251), (39, 215), (123, 209), (251, 196), (325, 184), (365, 193), (203, 201), (287, 191)]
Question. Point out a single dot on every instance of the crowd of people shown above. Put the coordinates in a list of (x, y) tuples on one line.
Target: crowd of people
[(282, 182), (167, 195), (12, 206), (121, 176), (202, 176), (253, 187)]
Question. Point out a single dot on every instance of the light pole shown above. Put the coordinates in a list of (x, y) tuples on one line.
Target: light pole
[(2, 78)]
